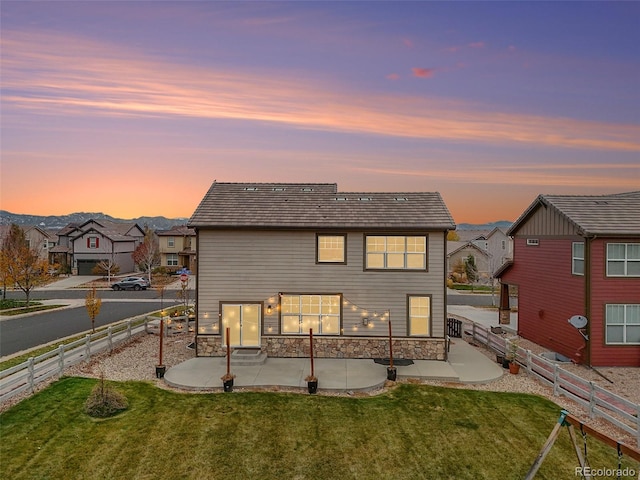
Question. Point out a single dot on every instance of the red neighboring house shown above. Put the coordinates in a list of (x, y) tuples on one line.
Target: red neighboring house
[(579, 255)]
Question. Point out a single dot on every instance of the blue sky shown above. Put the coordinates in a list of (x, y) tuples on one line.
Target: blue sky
[(489, 103)]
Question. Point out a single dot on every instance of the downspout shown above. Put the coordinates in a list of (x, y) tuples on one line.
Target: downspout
[(197, 322), (446, 306), (587, 294)]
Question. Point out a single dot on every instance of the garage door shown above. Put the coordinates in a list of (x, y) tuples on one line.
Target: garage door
[(85, 267)]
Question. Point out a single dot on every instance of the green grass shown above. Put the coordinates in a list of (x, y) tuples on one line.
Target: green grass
[(411, 432), (33, 308), (12, 304), (473, 288)]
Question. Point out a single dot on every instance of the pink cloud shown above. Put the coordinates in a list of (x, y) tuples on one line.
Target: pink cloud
[(393, 76), (423, 72), (407, 43), (476, 45)]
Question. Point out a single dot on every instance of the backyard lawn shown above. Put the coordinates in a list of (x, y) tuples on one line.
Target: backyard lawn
[(410, 432)]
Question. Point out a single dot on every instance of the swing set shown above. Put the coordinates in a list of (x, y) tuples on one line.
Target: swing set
[(585, 471)]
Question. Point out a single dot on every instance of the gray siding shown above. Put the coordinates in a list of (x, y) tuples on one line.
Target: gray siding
[(249, 266), (547, 221)]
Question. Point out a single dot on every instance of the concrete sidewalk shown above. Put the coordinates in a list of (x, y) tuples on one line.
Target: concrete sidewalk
[(484, 316), (466, 364)]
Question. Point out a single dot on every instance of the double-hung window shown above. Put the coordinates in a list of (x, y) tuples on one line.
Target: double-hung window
[(171, 242), (172, 259), (321, 313), (92, 242), (577, 258), (623, 260), (331, 248), (419, 313), (623, 324), (396, 252)]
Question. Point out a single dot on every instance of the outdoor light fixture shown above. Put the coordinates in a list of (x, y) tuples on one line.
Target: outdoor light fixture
[(268, 309), (365, 321)]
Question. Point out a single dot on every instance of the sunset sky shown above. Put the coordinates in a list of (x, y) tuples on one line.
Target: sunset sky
[(135, 108)]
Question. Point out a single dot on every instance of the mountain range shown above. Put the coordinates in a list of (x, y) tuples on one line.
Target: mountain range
[(56, 222)]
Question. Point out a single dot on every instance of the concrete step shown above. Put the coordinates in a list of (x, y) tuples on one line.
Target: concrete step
[(246, 357)]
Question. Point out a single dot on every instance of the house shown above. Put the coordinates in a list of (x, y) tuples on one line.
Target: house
[(495, 247), (83, 246), (178, 248), (579, 256), (459, 252), (39, 240), (276, 260)]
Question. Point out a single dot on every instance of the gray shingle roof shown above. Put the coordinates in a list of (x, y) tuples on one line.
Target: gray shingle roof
[(615, 214), (317, 205)]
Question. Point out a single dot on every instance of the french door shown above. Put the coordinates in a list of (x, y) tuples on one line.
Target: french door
[(243, 321)]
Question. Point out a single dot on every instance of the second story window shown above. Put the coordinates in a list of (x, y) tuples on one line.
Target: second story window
[(93, 242), (171, 242), (623, 260), (331, 248), (577, 258), (396, 252)]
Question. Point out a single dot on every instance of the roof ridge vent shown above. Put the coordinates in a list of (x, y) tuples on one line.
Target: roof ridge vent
[(342, 199), (251, 189), (401, 199)]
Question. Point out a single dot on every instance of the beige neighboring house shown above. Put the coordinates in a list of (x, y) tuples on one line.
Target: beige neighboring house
[(496, 245), (458, 252), (275, 260), (178, 248), (38, 239)]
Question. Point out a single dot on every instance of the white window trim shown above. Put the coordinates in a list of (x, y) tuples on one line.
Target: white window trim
[(623, 324), (626, 260), (574, 258)]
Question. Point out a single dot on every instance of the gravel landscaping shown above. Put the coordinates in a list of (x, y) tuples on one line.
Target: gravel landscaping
[(137, 360)]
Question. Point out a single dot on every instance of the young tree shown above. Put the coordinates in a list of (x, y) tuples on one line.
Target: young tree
[(93, 304), (147, 254), (107, 268), (452, 236), (471, 269), (5, 278), (22, 265)]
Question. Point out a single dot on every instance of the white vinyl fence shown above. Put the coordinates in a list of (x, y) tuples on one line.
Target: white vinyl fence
[(25, 377), (598, 401)]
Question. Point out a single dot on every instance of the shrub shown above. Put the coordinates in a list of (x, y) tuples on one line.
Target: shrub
[(104, 401)]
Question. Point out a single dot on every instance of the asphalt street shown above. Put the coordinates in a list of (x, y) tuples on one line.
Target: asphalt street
[(25, 332)]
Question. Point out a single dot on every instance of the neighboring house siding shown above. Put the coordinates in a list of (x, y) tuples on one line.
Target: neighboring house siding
[(548, 293), (610, 290), (254, 266), (547, 222)]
